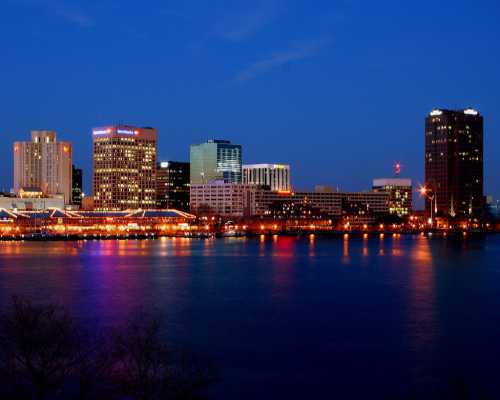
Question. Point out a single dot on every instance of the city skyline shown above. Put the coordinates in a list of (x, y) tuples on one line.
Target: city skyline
[(401, 170), (259, 199), (345, 79)]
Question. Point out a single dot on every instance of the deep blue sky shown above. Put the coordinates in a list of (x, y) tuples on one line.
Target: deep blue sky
[(338, 89)]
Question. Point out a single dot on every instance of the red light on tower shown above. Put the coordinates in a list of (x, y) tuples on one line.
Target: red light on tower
[(397, 168)]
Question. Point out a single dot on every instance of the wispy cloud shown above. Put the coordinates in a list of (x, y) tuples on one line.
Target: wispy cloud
[(298, 51)]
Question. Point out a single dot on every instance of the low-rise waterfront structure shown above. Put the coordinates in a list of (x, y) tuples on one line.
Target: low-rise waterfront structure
[(65, 223), (31, 203), (223, 199), (238, 200)]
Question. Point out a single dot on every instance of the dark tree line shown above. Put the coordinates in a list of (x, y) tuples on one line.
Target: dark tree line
[(45, 355)]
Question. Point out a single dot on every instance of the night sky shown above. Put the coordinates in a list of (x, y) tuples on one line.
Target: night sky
[(338, 89)]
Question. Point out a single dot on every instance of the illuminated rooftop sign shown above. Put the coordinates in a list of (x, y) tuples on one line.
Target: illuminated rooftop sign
[(127, 132), (435, 113), (470, 111), (164, 164), (119, 131), (102, 132)]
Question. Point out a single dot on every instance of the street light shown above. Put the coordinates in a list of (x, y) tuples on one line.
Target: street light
[(425, 192)]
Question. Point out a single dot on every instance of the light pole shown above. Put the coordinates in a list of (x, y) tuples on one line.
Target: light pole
[(424, 192)]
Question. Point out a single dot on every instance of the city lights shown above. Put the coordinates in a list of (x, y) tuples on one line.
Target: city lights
[(131, 189)]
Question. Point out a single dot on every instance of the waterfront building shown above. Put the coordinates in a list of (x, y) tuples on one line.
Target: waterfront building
[(274, 176), (172, 185), (215, 160), (334, 204), (124, 167), (70, 223), (454, 163), (26, 202), (77, 186), (364, 207), (223, 199), (328, 203), (238, 200), (44, 163), (400, 194)]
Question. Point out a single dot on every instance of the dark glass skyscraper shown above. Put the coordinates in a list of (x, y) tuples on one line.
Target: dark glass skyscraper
[(172, 185), (215, 160), (76, 192), (454, 162)]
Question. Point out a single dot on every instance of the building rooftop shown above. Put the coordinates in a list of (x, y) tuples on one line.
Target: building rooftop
[(440, 111), (391, 182), (59, 213), (277, 166)]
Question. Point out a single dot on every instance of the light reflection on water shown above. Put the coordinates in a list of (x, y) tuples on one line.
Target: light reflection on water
[(285, 312), (423, 325)]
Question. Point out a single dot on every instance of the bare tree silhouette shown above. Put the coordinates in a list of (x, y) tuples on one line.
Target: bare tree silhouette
[(145, 368), (45, 355), (39, 347)]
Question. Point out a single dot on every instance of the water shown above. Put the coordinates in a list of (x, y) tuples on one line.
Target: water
[(406, 317)]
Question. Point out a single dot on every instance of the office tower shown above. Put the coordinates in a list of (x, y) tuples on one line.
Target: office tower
[(77, 186), (124, 167), (44, 163), (172, 185), (454, 163), (215, 160), (400, 194), (275, 176)]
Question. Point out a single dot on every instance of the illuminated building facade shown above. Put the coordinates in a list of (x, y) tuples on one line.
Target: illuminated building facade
[(80, 224), (124, 167), (215, 160), (31, 203), (44, 163), (364, 207), (237, 200), (172, 185), (454, 162), (223, 199), (77, 186), (400, 194), (275, 176)]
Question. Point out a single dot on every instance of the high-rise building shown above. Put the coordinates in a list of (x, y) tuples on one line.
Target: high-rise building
[(124, 167), (454, 163), (275, 176), (215, 160), (44, 163), (172, 185), (77, 186), (400, 194)]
